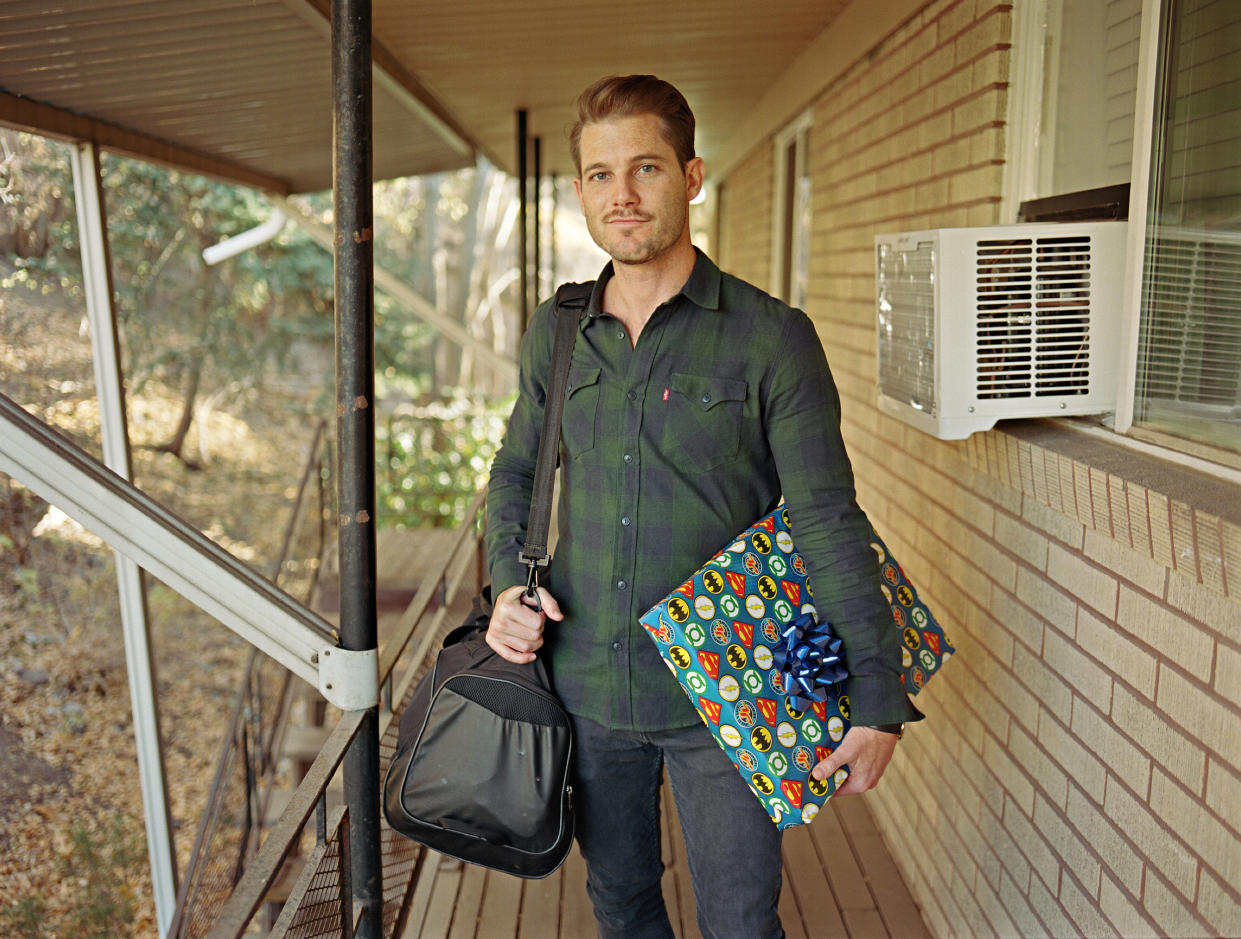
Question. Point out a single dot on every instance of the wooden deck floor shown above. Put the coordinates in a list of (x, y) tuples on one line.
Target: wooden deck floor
[(839, 881)]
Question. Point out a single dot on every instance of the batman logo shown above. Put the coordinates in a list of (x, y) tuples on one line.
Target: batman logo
[(678, 609), (760, 739)]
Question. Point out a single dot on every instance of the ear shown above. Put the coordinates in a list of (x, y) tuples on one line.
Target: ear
[(577, 188), (694, 171)]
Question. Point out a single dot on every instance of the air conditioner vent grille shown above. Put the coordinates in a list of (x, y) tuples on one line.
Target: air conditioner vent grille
[(906, 298), (1032, 336)]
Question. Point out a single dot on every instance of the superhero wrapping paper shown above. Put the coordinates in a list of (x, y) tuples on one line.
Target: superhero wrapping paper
[(725, 634)]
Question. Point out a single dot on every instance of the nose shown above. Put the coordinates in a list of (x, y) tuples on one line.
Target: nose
[(624, 192)]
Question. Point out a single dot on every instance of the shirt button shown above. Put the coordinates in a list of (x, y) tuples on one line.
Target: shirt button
[(620, 585), (632, 396), (706, 399), (628, 458), (625, 521), (616, 646), (620, 334)]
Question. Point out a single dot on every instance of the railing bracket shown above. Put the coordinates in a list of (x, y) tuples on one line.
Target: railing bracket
[(349, 679)]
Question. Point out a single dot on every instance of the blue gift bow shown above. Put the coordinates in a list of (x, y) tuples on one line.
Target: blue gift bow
[(809, 659)]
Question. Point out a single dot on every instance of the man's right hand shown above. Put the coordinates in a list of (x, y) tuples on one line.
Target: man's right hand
[(516, 629)]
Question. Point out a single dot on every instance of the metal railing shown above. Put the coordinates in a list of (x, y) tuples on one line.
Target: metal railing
[(227, 837), (440, 603)]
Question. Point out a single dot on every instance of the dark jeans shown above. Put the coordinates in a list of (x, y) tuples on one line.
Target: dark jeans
[(732, 846)]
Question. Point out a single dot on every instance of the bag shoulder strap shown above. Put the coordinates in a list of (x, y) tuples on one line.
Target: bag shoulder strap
[(570, 304)]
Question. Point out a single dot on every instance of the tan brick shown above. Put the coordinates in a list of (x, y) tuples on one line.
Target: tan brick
[(1118, 856), (1150, 730), (974, 842), (1046, 685), (1038, 476), (1160, 517), (1139, 519), (1083, 580), (999, 923), (1014, 780), (1032, 844), (1170, 910), (1027, 543), (1184, 544), (1134, 566), (1176, 638), (1100, 505), (1220, 614), (1073, 852), (1033, 758), (1013, 896), (1131, 765), (1218, 847), (1228, 674), (1052, 604), (1231, 535), (1118, 509), (1210, 551), (1053, 521), (1050, 910), (1083, 910), (1019, 621), (1078, 670), (1079, 764), (1123, 913), (981, 777), (1224, 793), (1128, 661), (1208, 719), (967, 903), (1167, 854), (1219, 905)]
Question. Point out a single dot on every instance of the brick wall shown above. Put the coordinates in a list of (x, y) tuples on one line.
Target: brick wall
[(746, 199), (1080, 768)]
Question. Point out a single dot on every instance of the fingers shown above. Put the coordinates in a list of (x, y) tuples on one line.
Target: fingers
[(516, 629), (866, 751)]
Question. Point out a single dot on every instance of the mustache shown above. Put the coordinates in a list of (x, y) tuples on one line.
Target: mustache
[(626, 217)]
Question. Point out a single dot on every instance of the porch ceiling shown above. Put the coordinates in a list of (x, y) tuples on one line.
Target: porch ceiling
[(241, 89)]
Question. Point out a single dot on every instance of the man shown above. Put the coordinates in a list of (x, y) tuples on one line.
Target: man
[(694, 402)]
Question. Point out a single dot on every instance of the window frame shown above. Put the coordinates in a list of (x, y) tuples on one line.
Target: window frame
[(1033, 68), (788, 239)]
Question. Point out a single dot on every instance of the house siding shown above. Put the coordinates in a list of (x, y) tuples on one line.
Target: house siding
[(1079, 771)]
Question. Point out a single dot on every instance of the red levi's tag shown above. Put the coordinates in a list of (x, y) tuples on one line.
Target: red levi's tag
[(666, 394)]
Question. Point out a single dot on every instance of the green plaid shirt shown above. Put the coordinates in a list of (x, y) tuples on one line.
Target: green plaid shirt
[(667, 451)]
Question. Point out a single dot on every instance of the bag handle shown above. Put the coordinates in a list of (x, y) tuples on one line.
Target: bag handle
[(571, 300)]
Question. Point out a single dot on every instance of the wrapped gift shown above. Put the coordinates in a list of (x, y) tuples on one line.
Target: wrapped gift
[(744, 641)]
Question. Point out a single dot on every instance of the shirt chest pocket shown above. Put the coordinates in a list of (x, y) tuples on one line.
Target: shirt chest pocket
[(701, 428), (581, 406)]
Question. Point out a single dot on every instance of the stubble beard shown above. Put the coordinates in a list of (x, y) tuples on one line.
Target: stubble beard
[(624, 249)]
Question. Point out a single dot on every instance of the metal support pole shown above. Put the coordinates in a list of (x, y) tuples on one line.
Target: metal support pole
[(523, 223), (109, 387), (355, 383), (537, 227)]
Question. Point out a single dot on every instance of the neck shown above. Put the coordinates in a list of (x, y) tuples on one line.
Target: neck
[(636, 290)]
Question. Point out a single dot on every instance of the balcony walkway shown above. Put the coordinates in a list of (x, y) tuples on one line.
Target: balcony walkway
[(839, 881)]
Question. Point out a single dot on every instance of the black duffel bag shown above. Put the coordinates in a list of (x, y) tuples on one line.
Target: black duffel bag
[(481, 770)]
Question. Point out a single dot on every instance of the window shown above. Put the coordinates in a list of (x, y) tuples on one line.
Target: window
[(1189, 352), (1076, 112), (791, 233)]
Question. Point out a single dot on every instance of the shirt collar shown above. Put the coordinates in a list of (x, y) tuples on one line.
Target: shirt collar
[(702, 289)]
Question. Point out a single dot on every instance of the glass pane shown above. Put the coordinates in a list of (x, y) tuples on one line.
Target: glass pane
[(1087, 139), (1189, 366)]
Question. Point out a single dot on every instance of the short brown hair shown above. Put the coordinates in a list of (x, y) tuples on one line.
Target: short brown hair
[(629, 95)]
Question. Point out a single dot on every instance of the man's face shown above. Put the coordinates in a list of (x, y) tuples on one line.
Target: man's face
[(633, 191)]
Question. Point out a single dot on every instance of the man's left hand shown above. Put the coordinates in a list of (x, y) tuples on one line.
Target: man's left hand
[(867, 751)]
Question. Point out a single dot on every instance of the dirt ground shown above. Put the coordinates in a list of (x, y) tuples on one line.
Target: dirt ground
[(72, 843)]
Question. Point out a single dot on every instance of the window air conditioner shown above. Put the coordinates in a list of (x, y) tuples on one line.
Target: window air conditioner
[(980, 324)]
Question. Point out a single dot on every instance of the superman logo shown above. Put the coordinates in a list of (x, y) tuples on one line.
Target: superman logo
[(820, 709), (745, 632), (710, 709), (767, 524), (710, 662), (791, 590), (792, 791), (686, 589), (736, 580), (932, 641), (767, 707)]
